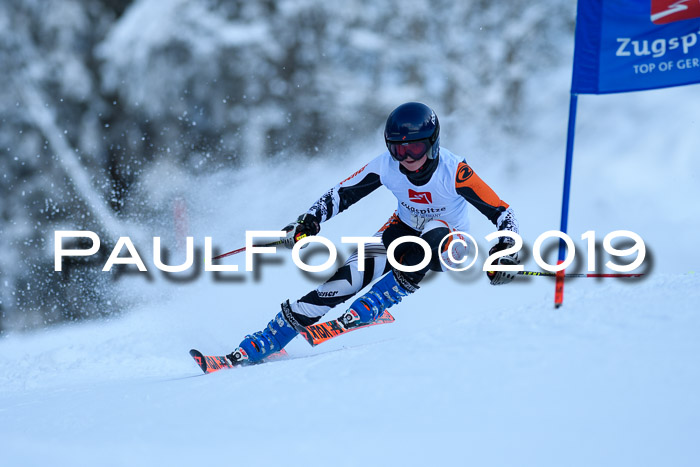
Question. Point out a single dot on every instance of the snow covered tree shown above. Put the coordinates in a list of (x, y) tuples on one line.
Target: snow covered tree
[(99, 92)]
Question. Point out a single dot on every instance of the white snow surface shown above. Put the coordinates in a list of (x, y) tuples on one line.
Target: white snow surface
[(468, 374)]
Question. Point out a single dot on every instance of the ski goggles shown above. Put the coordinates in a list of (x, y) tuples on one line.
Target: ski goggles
[(413, 150)]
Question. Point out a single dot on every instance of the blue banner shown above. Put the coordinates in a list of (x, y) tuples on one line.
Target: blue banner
[(632, 45)]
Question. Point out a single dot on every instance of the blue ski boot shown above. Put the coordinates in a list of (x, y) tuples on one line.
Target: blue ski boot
[(385, 293), (278, 333)]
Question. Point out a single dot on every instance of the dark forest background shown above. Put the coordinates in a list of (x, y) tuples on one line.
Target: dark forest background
[(95, 93)]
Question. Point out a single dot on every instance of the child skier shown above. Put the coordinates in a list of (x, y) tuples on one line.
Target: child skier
[(433, 187)]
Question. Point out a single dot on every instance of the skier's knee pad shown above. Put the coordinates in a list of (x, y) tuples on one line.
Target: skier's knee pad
[(454, 252), (412, 253), (450, 247)]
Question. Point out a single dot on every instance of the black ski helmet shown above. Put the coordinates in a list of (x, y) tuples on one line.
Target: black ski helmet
[(413, 121)]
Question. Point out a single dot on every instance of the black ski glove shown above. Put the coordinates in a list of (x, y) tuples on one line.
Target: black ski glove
[(506, 221), (306, 225), (503, 277)]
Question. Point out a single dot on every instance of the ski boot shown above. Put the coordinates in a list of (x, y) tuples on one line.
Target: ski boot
[(260, 345), (385, 293)]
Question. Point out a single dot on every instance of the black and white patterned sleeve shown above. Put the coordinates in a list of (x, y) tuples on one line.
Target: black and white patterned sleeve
[(346, 193)]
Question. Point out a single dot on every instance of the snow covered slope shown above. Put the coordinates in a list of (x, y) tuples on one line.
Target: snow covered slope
[(611, 379)]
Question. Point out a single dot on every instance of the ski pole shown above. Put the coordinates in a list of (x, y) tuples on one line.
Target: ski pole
[(554, 274), (278, 242)]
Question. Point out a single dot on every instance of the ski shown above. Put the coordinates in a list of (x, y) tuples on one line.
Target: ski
[(314, 334), (321, 332), (212, 363)]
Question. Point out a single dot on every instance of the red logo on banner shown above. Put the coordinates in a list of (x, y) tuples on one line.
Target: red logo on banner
[(670, 11), (420, 197)]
